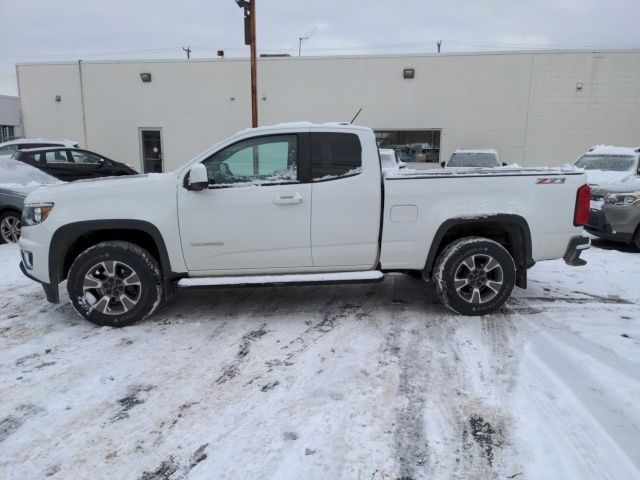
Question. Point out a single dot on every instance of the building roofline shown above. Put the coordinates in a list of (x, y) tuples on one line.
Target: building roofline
[(341, 57)]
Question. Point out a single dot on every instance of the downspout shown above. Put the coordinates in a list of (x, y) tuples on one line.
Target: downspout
[(84, 118)]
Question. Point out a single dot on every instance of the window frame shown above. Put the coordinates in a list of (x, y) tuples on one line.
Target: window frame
[(299, 162)]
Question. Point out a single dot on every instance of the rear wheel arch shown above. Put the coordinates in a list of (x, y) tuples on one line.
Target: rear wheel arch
[(509, 230)]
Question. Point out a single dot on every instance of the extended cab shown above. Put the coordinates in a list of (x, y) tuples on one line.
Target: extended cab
[(298, 203)]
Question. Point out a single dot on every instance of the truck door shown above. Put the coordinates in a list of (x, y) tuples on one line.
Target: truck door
[(346, 191), (255, 215)]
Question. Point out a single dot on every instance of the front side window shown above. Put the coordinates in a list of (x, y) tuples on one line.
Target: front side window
[(257, 161), (335, 155)]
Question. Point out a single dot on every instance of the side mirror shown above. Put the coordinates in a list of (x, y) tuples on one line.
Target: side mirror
[(442, 164), (198, 178)]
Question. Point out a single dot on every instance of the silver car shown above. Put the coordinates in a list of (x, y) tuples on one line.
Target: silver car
[(16, 181), (615, 212)]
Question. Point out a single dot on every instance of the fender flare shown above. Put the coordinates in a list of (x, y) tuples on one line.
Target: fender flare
[(67, 234), (504, 219)]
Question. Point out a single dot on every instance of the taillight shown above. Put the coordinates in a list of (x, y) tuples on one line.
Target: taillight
[(583, 199)]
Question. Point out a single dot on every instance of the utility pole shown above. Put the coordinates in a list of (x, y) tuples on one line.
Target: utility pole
[(254, 67), (249, 7), (188, 50), (439, 44)]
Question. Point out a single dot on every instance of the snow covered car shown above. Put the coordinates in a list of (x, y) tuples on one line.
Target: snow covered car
[(607, 164), (617, 216), (389, 159), (7, 149), (298, 203), (16, 181), (474, 157)]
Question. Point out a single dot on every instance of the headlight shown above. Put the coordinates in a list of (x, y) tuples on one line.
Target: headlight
[(35, 213), (623, 198)]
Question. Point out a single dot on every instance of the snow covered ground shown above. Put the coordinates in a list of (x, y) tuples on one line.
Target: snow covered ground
[(334, 382)]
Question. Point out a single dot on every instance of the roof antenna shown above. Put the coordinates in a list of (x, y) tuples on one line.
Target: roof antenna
[(354, 118)]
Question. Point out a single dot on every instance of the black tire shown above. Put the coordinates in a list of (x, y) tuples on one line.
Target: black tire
[(488, 284), (636, 238), (10, 226), (115, 284)]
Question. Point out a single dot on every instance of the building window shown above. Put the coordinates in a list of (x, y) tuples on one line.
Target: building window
[(6, 133), (411, 145)]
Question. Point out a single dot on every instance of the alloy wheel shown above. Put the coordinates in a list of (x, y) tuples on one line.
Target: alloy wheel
[(478, 278), (10, 228), (112, 287)]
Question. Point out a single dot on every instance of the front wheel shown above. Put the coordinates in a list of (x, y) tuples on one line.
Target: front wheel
[(474, 276), (115, 284)]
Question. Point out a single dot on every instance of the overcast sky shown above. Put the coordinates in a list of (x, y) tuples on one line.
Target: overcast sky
[(37, 30)]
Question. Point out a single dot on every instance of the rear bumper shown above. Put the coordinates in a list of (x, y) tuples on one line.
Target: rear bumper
[(575, 247), (600, 226)]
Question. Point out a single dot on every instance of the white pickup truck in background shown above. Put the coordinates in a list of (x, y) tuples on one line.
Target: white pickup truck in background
[(298, 203)]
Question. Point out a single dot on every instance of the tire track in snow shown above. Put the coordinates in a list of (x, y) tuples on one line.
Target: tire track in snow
[(611, 415)]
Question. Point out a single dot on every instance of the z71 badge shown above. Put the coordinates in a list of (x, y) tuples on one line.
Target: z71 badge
[(547, 180)]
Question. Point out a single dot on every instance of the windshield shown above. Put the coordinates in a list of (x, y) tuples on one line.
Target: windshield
[(473, 159), (611, 163)]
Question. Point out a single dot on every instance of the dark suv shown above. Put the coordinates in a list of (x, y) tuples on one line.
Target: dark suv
[(69, 164)]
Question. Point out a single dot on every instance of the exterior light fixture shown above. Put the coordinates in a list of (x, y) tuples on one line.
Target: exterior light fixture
[(221, 53), (145, 77), (579, 86), (408, 73), (58, 98)]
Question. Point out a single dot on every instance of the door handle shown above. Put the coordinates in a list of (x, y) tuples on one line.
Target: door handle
[(294, 199)]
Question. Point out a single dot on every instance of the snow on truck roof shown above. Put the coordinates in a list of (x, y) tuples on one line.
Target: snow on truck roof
[(304, 124)]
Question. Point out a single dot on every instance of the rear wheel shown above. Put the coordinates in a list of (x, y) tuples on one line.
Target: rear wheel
[(114, 284), (474, 276), (10, 226)]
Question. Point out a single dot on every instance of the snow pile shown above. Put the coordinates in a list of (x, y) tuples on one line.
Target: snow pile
[(20, 177)]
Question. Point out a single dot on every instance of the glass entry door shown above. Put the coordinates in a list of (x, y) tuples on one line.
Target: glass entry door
[(151, 149)]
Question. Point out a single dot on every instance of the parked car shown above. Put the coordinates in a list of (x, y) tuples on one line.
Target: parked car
[(7, 149), (607, 164), (474, 157), (16, 181), (615, 214), (389, 159), (69, 164), (220, 221)]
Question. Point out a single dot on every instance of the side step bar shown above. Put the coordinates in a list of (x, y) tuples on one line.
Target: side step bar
[(271, 280)]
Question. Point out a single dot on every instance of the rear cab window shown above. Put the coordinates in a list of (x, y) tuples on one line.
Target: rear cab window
[(335, 156)]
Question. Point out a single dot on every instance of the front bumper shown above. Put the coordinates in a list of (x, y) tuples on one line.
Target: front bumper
[(575, 247), (600, 225), (52, 292)]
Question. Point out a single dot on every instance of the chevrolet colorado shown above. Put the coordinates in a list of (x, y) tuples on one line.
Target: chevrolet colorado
[(298, 203)]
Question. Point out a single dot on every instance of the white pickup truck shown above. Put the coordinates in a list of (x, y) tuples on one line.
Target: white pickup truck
[(298, 203)]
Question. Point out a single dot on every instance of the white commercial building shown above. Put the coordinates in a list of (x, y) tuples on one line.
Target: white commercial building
[(535, 108), (10, 125)]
